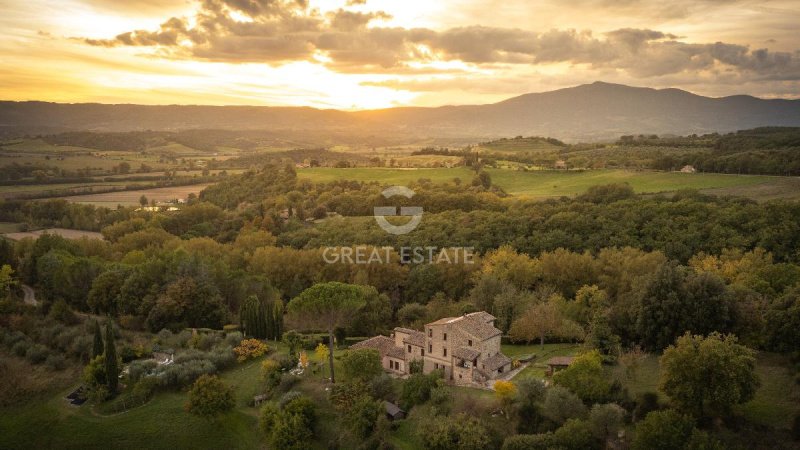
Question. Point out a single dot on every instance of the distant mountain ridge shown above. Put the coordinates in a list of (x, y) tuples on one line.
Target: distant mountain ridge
[(586, 112)]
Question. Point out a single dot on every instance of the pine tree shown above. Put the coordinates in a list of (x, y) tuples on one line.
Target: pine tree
[(112, 368), (97, 349)]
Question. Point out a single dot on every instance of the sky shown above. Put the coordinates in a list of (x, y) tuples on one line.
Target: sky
[(366, 54)]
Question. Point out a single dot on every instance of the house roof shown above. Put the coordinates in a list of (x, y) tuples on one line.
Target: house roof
[(466, 353), (476, 324), (497, 361), (482, 315), (384, 345), (414, 337), (560, 361)]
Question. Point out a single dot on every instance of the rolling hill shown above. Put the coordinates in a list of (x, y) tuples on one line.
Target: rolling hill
[(587, 112)]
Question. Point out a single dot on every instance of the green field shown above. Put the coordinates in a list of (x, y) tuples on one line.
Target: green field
[(544, 184), (776, 402)]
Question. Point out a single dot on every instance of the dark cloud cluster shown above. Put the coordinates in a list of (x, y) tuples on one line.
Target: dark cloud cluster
[(280, 31)]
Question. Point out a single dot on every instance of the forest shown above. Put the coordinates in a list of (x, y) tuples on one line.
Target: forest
[(615, 273)]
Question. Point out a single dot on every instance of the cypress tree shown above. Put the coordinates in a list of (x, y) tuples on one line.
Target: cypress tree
[(97, 348), (252, 317), (112, 369)]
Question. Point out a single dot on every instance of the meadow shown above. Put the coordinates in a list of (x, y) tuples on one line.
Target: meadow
[(131, 198), (542, 184)]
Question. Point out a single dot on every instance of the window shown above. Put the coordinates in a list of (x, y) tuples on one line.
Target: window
[(430, 348), (423, 352), (444, 352), (409, 349), (430, 332), (469, 342), (445, 336)]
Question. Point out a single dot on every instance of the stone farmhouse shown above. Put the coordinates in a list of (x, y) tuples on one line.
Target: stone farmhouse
[(465, 348)]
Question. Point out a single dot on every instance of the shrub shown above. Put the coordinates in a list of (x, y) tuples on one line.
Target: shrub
[(138, 369), (20, 348), (37, 353), (645, 404), (60, 311), (417, 389), (575, 433), (288, 381), (233, 339), (560, 405), (663, 429), (143, 390), (382, 388), (55, 362), (127, 354), (210, 397), (362, 364), (250, 349), (177, 375), (529, 442), (287, 397)]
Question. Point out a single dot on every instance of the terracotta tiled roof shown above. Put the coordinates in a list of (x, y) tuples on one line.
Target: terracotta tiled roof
[(414, 337), (497, 361), (382, 344), (466, 353), (478, 328), (482, 315), (474, 324)]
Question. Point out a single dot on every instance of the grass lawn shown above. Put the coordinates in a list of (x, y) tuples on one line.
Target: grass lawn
[(160, 423), (546, 183), (537, 367), (9, 227), (776, 401)]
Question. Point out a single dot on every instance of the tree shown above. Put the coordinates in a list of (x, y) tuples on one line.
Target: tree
[(97, 345), (110, 358), (417, 389), (6, 279), (143, 200), (575, 434), (327, 306), (663, 430), (362, 364), (290, 426), (292, 339), (560, 404), (537, 322), (210, 397), (530, 393), (362, 417), (585, 377), (606, 420), (708, 375), (461, 432), (676, 301)]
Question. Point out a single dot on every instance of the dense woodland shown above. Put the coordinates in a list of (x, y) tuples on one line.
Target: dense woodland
[(613, 270)]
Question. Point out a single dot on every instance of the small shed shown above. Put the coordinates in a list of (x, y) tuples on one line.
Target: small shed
[(557, 363), (393, 412), (688, 169)]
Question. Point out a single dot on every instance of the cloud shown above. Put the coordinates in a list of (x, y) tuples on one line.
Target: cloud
[(280, 31)]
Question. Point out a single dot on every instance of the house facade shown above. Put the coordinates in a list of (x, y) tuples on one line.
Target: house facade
[(465, 348)]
